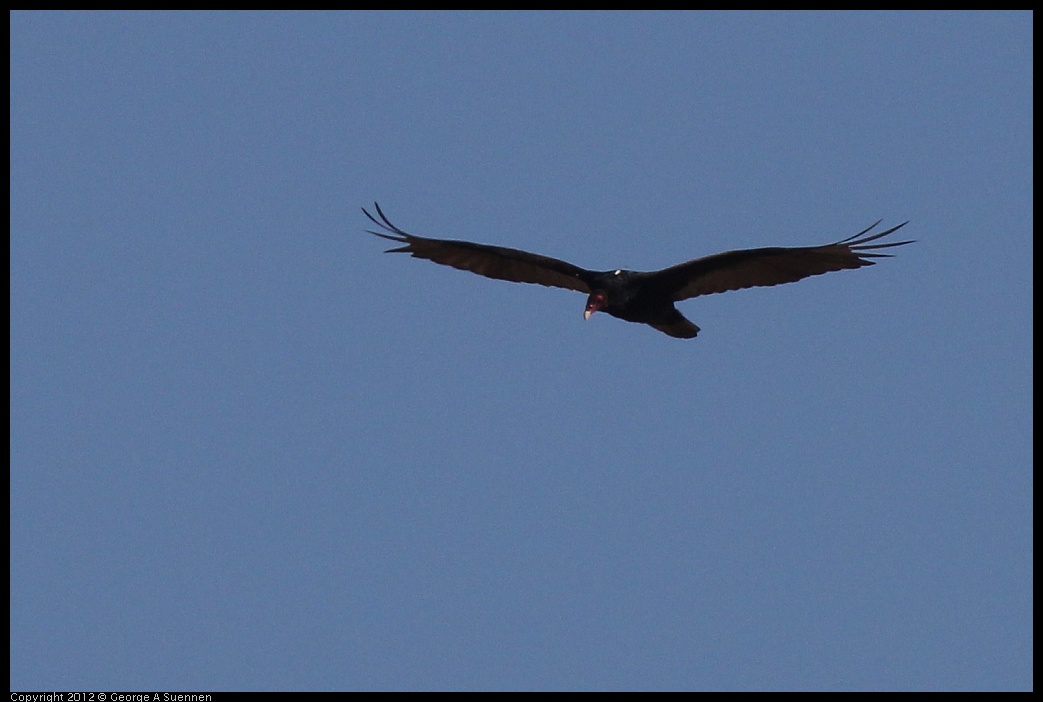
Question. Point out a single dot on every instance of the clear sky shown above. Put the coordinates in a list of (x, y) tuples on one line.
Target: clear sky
[(249, 450)]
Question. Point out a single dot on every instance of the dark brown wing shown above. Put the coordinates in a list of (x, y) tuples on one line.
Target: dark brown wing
[(734, 270), (491, 261)]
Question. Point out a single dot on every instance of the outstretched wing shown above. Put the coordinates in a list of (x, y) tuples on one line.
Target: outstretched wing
[(491, 261), (747, 268)]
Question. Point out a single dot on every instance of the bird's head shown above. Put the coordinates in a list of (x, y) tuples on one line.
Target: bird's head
[(608, 291), (597, 300)]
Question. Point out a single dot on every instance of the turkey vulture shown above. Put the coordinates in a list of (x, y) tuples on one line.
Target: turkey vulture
[(645, 297)]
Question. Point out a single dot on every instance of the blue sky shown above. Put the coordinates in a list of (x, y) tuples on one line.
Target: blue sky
[(251, 451)]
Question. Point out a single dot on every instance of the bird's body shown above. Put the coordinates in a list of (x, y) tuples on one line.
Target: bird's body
[(634, 296), (646, 297)]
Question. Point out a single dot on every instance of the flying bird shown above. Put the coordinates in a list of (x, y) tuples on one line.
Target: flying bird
[(646, 297)]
